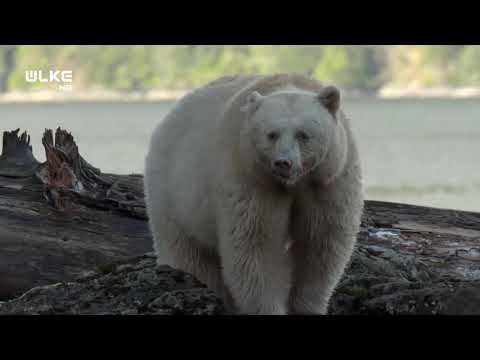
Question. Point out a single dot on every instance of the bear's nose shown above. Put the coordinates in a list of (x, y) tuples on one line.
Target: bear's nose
[(283, 164)]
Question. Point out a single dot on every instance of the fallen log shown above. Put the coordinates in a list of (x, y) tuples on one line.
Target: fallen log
[(66, 221), (63, 218)]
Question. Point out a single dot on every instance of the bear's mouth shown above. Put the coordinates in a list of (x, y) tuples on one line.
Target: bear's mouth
[(287, 178), (282, 175)]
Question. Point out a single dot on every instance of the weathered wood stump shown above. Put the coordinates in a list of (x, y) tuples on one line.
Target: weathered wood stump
[(62, 218), (65, 219), (17, 159)]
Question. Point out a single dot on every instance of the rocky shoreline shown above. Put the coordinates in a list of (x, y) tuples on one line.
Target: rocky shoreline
[(466, 92), (156, 95), (136, 286), (57, 96)]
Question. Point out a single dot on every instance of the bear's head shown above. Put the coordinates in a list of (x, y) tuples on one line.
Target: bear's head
[(292, 131)]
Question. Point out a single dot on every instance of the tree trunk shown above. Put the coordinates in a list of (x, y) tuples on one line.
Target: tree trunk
[(65, 219)]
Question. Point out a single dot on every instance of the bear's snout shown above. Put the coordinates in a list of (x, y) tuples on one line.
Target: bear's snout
[(283, 166)]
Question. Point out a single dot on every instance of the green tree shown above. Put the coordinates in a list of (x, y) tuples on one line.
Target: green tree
[(138, 68), (7, 64), (469, 65)]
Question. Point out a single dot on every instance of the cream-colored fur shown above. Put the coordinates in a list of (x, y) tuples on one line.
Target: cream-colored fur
[(268, 244)]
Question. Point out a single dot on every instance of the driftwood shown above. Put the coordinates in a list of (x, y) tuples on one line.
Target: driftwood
[(65, 219)]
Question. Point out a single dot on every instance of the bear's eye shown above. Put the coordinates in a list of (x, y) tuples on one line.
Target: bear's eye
[(273, 135), (302, 135)]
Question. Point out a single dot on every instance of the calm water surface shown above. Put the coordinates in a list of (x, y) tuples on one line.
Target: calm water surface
[(422, 152)]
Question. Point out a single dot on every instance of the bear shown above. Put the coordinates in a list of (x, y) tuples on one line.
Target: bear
[(253, 184)]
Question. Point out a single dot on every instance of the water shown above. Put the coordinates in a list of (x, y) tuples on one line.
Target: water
[(422, 152)]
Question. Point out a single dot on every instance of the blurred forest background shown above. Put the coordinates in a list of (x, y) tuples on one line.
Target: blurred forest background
[(138, 68)]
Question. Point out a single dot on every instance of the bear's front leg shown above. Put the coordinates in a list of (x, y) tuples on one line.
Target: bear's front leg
[(324, 231), (253, 230), (319, 266)]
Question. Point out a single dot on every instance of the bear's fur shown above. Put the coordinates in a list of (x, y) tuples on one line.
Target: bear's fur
[(253, 185)]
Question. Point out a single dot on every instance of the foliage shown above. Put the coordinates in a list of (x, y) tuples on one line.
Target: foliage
[(139, 68)]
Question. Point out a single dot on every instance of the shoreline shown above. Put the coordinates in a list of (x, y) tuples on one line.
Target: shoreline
[(156, 95), (95, 96)]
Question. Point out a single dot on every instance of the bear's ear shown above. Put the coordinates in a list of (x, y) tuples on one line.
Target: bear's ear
[(330, 98), (252, 103)]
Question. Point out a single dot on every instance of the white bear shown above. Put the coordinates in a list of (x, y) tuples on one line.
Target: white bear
[(253, 185)]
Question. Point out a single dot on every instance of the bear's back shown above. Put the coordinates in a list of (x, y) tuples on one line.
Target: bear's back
[(181, 159), (185, 162)]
